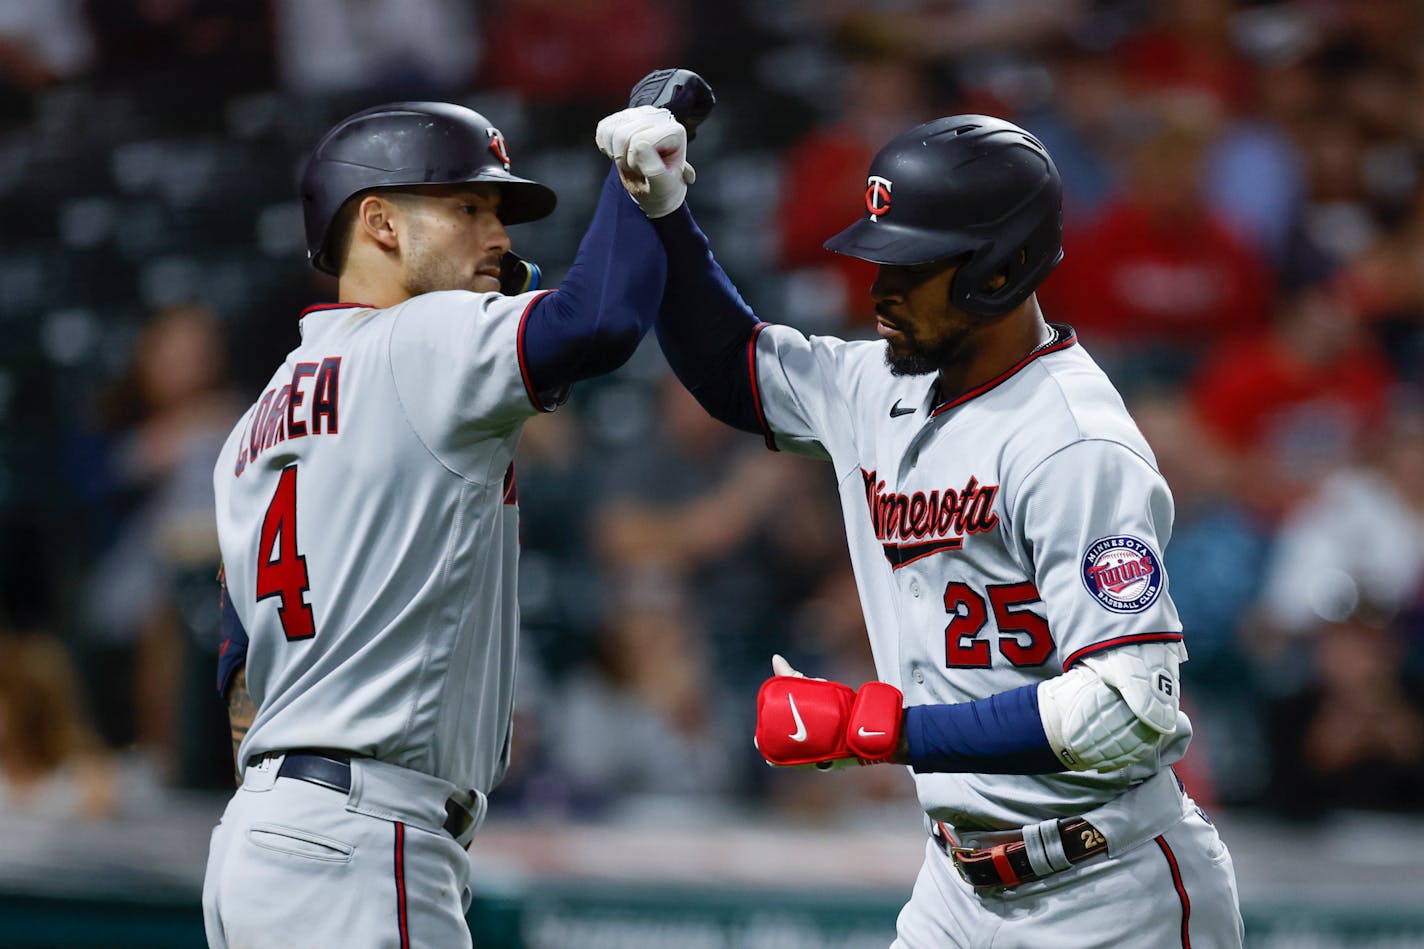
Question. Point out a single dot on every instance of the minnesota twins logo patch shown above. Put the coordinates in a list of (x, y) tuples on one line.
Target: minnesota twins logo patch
[(1122, 573)]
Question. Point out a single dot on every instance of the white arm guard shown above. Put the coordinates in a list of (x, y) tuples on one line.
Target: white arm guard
[(1114, 708)]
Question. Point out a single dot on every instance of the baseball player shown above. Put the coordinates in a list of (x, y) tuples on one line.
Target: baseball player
[(367, 514), (1006, 522)]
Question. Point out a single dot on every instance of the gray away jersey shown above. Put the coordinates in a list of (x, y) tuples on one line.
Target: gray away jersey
[(996, 539), (367, 515)]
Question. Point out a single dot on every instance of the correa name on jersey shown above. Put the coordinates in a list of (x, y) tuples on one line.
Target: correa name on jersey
[(287, 412), (933, 521)]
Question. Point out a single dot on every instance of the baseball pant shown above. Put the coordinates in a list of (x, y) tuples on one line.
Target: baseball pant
[(1178, 889), (298, 865)]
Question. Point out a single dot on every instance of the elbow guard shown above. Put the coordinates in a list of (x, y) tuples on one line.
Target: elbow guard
[(1115, 708)]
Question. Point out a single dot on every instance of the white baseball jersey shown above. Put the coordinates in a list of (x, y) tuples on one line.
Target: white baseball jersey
[(996, 539), (368, 519)]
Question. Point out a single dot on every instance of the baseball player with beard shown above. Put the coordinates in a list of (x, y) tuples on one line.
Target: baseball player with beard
[(1006, 522), (367, 514)]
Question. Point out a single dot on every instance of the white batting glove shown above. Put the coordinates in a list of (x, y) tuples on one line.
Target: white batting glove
[(649, 147)]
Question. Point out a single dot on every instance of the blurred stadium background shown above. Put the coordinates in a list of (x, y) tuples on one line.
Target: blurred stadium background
[(1245, 255)]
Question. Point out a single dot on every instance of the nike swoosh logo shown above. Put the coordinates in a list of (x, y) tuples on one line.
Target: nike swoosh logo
[(865, 734), (800, 733), (896, 411)]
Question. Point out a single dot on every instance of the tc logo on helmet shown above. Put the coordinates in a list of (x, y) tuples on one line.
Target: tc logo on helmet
[(877, 196), (497, 146)]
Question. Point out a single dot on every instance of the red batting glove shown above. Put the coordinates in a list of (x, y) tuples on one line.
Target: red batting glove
[(804, 721), (873, 733)]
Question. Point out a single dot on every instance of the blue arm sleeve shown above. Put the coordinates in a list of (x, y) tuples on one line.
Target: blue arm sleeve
[(1001, 734), (705, 327), (593, 323), (232, 650)]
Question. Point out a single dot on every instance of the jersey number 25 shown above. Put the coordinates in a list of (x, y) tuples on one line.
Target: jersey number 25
[(1023, 638), (281, 571)]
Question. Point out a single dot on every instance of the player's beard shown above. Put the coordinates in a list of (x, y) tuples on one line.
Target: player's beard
[(916, 359)]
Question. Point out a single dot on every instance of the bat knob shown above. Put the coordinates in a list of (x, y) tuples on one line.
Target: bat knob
[(681, 91)]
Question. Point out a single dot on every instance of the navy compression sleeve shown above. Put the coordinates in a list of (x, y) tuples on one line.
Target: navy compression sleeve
[(1001, 734), (232, 650), (705, 327), (603, 307)]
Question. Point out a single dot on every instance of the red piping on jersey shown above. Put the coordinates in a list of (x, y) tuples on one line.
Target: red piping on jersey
[(400, 887), (336, 306), (1004, 376), (1121, 641), (519, 348), (1181, 891), (756, 389)]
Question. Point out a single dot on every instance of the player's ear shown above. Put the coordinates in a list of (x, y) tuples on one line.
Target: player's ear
[(378, 218), (997, 281)]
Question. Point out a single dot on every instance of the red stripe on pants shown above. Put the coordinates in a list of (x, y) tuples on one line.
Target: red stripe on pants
[(400, 886), (1181, 892)]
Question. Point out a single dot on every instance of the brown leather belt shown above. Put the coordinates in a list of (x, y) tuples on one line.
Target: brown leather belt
[(1007, 863)]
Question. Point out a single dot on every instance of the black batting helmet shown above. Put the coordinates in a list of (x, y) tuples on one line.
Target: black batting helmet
[(966, 184), (410, 143)]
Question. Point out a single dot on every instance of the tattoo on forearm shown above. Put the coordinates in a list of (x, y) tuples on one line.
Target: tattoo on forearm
[(240, 713)]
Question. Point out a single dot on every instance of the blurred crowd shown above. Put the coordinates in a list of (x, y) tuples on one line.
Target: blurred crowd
[(1244, 256)]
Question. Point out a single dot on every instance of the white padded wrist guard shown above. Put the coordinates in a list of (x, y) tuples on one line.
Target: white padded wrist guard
[(1114, 709)]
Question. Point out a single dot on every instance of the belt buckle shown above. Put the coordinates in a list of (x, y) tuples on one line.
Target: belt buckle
[(952, 849), (954, 852)]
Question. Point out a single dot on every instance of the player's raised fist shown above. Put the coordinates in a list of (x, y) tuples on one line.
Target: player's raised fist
[(649, 147)]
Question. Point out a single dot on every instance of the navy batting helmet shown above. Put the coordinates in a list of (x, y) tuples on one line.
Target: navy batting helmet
[(410, 143), (966, 184)]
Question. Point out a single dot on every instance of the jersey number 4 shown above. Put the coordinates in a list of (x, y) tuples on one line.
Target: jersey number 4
[(281, 571), (1023, 638)]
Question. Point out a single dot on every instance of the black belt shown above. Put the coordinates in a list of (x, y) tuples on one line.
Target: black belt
[(1007, 864), (330, 770)]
